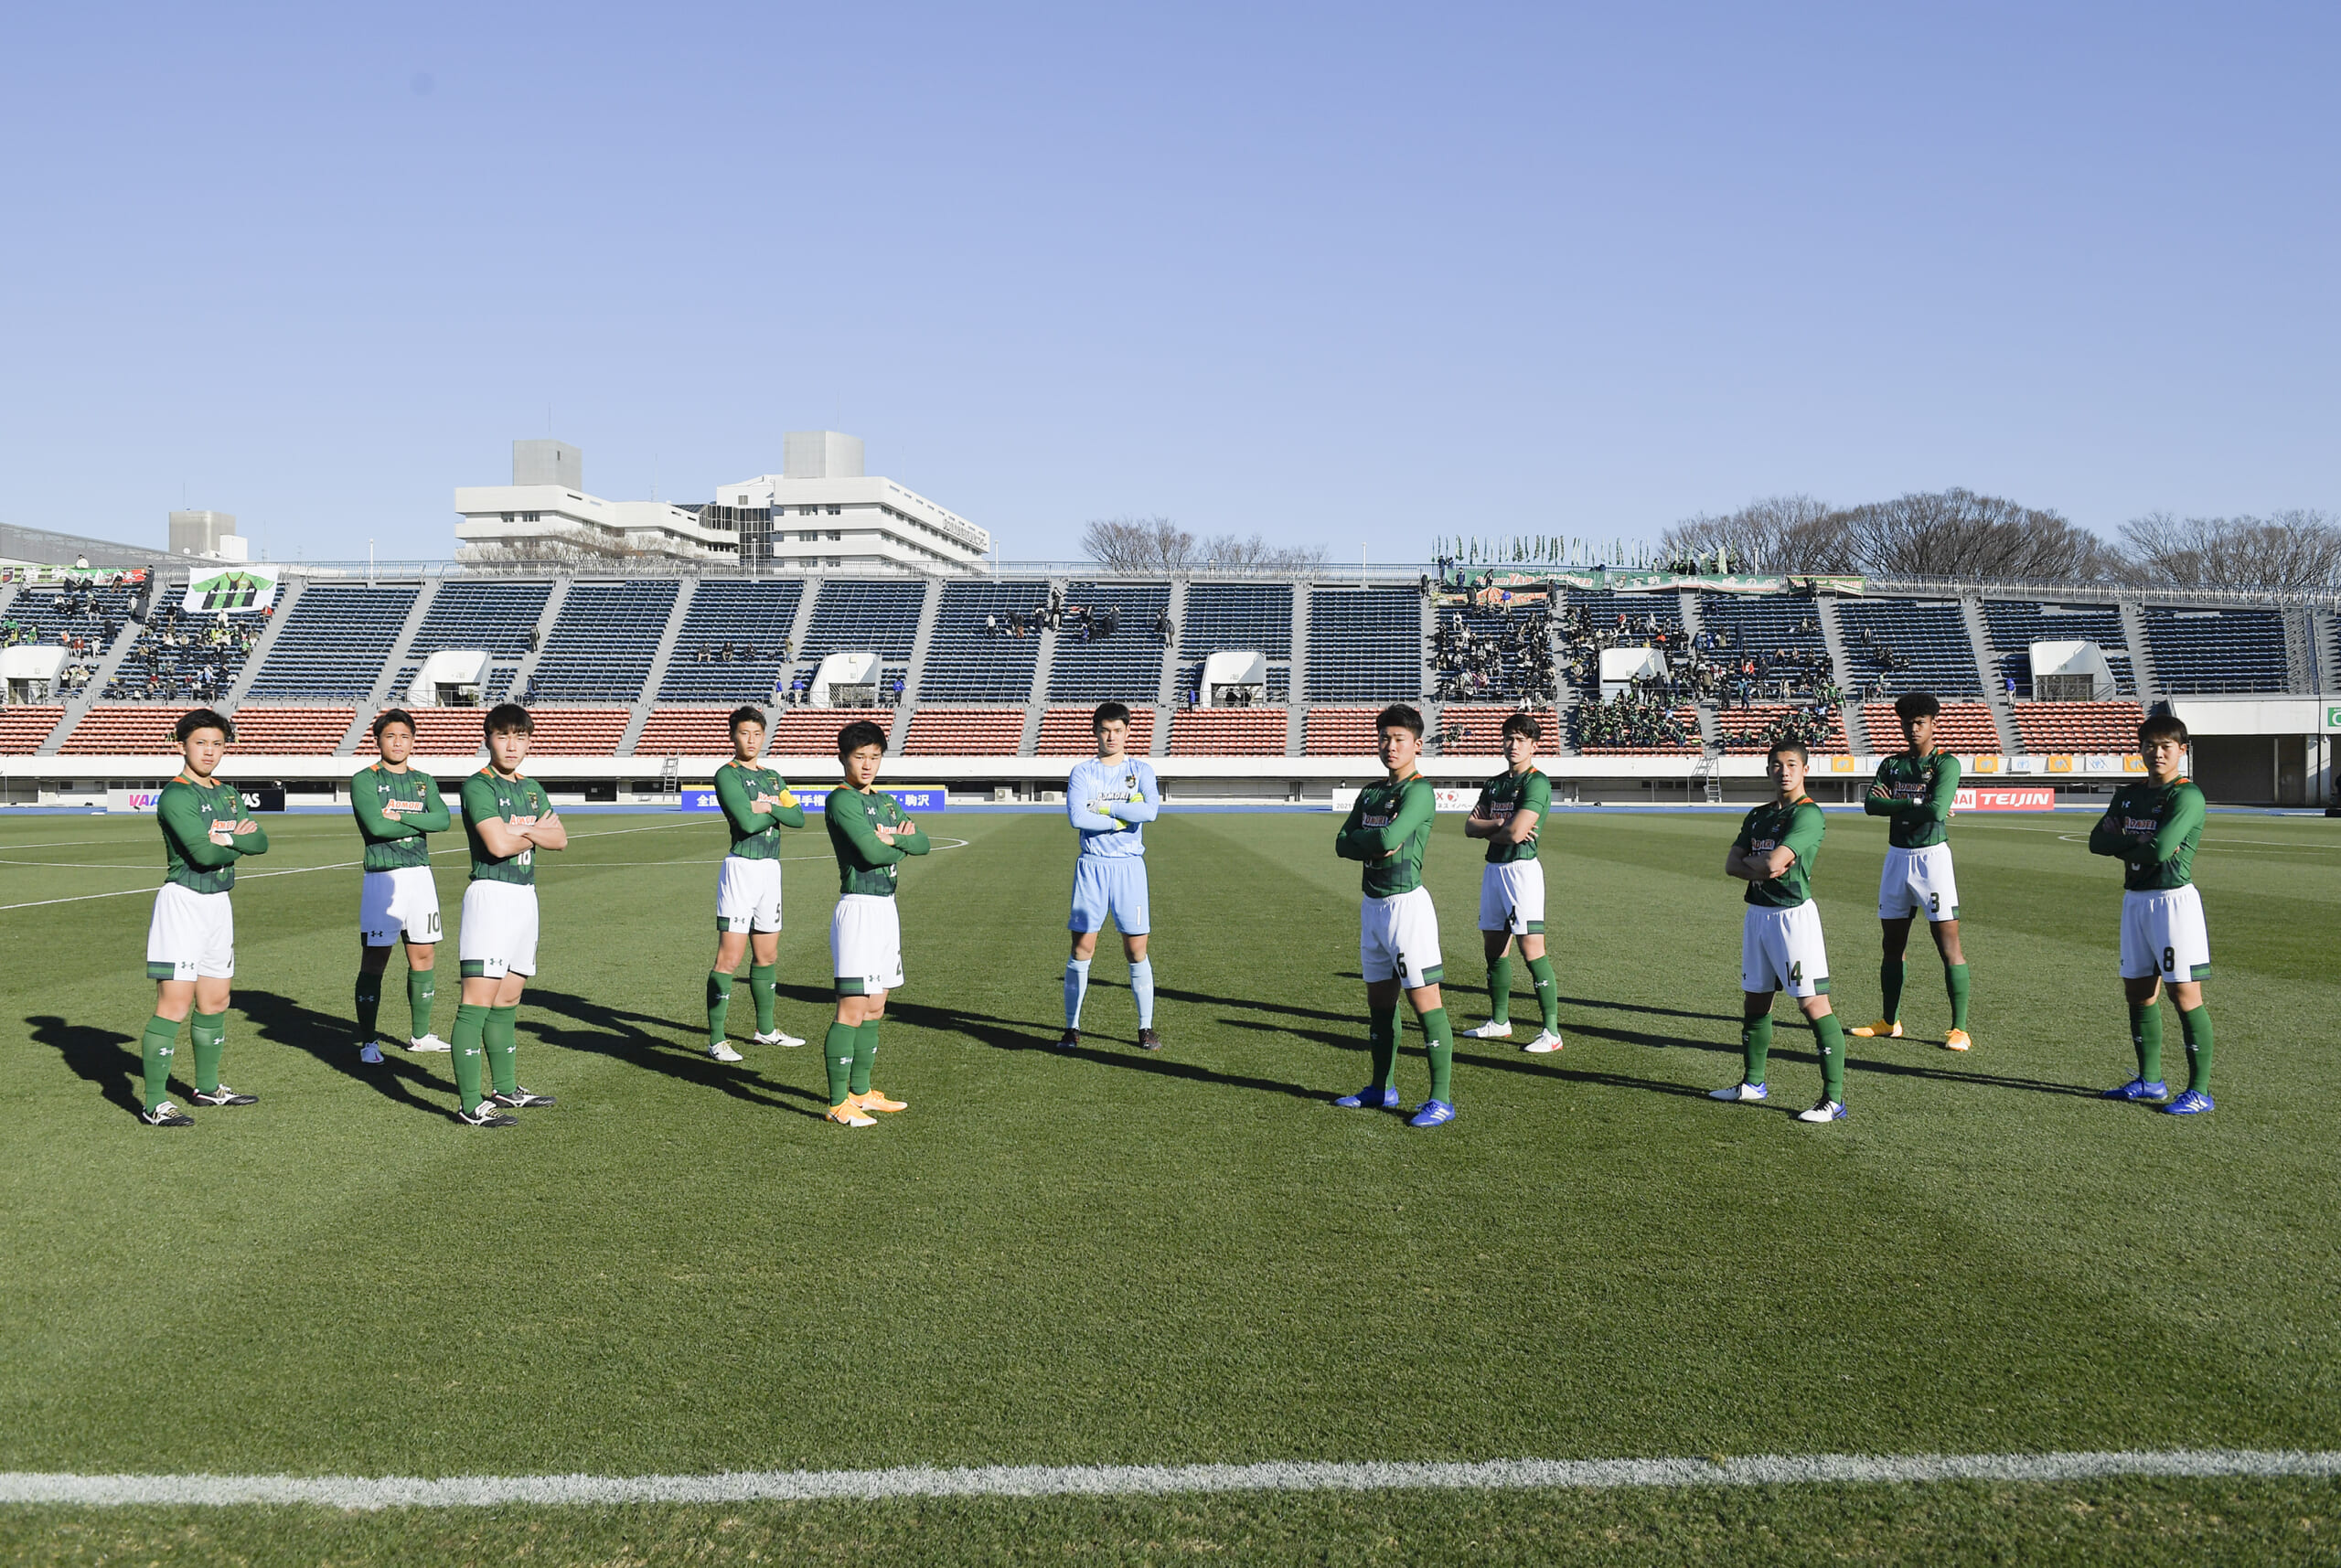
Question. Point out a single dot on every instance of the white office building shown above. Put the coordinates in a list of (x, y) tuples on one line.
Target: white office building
[(820, 511)]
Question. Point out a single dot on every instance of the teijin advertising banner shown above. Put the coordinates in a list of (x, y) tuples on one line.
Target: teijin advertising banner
[(232, 590), (2001, 797)]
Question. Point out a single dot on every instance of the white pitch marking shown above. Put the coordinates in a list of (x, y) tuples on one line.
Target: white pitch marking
[(1144, 1480)]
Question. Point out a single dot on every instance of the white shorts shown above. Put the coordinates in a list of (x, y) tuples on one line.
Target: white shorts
[(1918, 883), (499, 934), (1397, 938), (1511, 897), (191, 935), (398, 903), (747, 894), (1780, 950), (866, 944), (2163, 936)]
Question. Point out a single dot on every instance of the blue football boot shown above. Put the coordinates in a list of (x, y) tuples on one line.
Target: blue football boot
[(2194, 1103), (2139, 1089), (1370, 1099), (1434, 1114)]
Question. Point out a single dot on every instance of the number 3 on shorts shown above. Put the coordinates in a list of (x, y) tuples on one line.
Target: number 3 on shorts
[(1934, 905)]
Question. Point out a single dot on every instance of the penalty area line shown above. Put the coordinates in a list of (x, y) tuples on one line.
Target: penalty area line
[(22, 1487)]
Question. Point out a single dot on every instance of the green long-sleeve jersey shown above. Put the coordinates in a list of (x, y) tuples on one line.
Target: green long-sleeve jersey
[(394, 842), (755, 835), (1916, 794), (1798, 826), (518, 803), (866, 862), (1392, 814), (2153, 830), (197, 854), (1509, 792)]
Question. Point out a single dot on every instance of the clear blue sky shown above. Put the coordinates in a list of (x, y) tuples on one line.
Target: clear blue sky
[(1342, 275)]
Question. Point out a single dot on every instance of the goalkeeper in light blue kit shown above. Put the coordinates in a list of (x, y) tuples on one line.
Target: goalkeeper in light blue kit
[(1110, 798)]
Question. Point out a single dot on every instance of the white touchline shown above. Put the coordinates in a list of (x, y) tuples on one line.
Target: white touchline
[(1140, 1480)]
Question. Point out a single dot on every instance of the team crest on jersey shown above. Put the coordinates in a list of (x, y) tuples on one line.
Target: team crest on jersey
[(1373, 821), (1761, 847), (2141, 825)]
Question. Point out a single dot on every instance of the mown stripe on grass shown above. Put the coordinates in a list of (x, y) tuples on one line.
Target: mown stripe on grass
[(1134, 1480)]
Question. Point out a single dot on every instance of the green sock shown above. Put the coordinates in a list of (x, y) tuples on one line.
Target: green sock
[(837, 1053), (865, 1057), (1500, 989), (1440, 1044), (1548, 993), (471, 1024), (421, 993), (2146, 1038), (210, 1033), (760, 985), (1381, 1040), (503, 1041), (1828, 1036), (1756, 1045), (1889, 981), (370, 1005), (1954, 980), (719, 1005), (2197, 1027), (154, 1050)]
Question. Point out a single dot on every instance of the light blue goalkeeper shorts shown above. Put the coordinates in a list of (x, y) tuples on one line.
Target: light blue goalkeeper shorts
[(1112, 888)]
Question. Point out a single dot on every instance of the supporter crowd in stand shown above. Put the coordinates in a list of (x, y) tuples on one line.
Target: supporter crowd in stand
[(1083, 622), (1627, 721), (90, 630), (1509, 662), (184, 655), (1712, 665)]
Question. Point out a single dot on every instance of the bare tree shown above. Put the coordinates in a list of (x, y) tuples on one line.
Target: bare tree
[(1957, 533), (1256, 554), (2295, 549), (1777, 533), (1137, 544), (574, 547)]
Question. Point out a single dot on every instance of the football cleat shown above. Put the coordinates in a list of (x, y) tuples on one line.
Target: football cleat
[(1068, 1039), (1434, 1114), (2139, 1089), (486, 1114), (428, 1042), (1957, 1040), (223, 1095), (371, 1053), (1370, 1099), (2194, 1103), (1544, 1042), (1884, 1029), (1741, 1093), (1826, 1111), (166, 1115), (721, 1051), (1489, 1030), (777, 1036), (873, 1100), (1149, 1041), (845, 1115), (519, 1099)]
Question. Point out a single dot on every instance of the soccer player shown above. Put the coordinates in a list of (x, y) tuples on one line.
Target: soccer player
[(191, 940), (1511, 809), (508, 818), (1110, 797), (1389, 828), (1914, 791), (758, 804), (870, 834), (396, 807), (1779, 944), (2153, 830)]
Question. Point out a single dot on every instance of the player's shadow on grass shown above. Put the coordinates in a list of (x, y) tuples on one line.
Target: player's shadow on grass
[(284, 1021), (621, 1035), (1011, 1034), (101, 1056)]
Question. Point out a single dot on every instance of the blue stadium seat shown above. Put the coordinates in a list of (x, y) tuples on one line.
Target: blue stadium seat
[(964, 662), (603, 641), (335, 641), (1367, 643), (1125, 666), (1926, 645), (2217, 650), (495, 618), (753, 617), (2015, 624), (852, 615)]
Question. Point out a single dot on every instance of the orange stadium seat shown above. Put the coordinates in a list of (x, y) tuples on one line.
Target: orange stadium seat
[(438, 732), (1228, 732), (578, 731), (965, 733), (1965, 727), (686, 733), (813, 732), (1341, 733), (24, 730), (1066, 732), (2052, 728), (292, 731), (1483, 729), (143, 732)]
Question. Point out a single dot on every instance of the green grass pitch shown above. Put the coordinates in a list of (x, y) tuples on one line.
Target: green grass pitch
[(1113, 1257)]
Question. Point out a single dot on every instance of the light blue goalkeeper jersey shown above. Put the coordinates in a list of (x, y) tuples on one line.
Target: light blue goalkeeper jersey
[(1126, 790)]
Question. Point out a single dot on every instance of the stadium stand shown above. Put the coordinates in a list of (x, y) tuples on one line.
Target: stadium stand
[(292, 731), (84, 618), (1899, 645), (2230, 650), (1341, 733), (578, 731), (184, 657), (2015, 625), (438, 732), (1237, 617), (1680, 725), (140, 731), (1753, 730), (1372, 645), (965, 733), (813, 732), (495, 618), (966, 661), (733, 644), (1493, 655), (1109, 642), (2049, 729), (1474, 731), (603, 641), (1228, 732), (686, 733), (23, 728), (1762, 646), (1964, 729), (1066, 732), (852, 615), (334, 641)]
